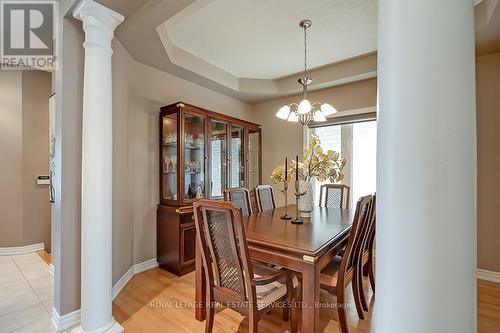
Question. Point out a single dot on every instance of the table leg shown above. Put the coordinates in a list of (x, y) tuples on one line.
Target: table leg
[(200, 293), (310, 297)]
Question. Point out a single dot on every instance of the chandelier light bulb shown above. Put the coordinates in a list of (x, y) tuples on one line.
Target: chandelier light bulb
[(327, 109), (293, 117), (283, 113), (304, 106), (319, 116)]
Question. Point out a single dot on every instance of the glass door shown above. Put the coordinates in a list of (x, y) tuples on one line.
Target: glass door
[(218, 158), (237, 157), (253, 157), (194, 156), (169, 156)]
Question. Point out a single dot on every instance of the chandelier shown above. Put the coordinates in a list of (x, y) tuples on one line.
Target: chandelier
[(305, 111)]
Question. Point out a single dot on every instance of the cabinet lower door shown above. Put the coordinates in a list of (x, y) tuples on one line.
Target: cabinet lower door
[(187, 244)]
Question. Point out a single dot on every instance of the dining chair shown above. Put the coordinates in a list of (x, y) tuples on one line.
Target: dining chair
[(265, 197), (253, 201), (240, 196), (365, 261), (341, 271), (334, 196), (233, 280)]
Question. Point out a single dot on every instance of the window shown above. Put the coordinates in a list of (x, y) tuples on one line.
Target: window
[(356, 142)]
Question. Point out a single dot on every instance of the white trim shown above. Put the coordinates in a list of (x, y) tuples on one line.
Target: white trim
[(120, 284), (136, 269), (111, 327), (17, 250), (73, 318), (353, 112), (68, 320), (51, 269), (145, 265), (491, 276)]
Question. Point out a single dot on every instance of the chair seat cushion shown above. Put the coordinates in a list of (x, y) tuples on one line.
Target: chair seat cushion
[(330, 273), (272, 292)]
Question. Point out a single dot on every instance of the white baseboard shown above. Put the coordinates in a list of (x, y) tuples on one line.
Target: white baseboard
[(145, 265), (66, 321), (17, 250), (136, 269), (491, 276), (120, 284), (73, 319), (112, 327)]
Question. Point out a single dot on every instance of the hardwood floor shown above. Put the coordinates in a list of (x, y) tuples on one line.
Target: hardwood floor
[(157, 301), (45, 256), (488, 307)]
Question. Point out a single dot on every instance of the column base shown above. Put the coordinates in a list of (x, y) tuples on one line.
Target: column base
[(112, 327)]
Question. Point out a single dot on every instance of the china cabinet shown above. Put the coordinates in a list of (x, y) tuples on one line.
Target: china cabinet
[(202, 153)]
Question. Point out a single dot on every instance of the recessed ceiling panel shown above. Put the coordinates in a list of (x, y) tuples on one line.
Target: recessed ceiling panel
[(261, 38)]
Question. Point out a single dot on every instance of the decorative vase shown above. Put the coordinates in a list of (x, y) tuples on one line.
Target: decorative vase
[(306, 202)]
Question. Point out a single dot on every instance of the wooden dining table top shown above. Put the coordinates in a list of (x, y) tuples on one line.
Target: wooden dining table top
[(268, 230)]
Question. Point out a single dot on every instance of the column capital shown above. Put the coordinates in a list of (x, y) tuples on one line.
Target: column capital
[(91, 11)]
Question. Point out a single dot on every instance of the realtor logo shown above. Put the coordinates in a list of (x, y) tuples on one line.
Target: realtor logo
[(27, 34)]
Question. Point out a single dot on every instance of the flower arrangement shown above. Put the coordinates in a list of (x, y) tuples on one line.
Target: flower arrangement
[(316, 163)]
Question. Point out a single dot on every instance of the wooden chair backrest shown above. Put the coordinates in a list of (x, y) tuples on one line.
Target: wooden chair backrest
[(265, 197), (361, 218), (369, 233), (240, 196), (222, 241), (334, 196)]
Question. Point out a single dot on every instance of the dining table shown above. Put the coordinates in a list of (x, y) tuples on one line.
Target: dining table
[(302, 248)]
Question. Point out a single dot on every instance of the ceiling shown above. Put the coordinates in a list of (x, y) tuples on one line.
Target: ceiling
[(253, 49), (261, 39), (126, 8)]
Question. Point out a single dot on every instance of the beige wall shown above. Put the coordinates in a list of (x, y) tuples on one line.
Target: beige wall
[(68, 159), (37, 86), (488, 160), (138, 93), (24, 149), (281, 138), (11, 150)]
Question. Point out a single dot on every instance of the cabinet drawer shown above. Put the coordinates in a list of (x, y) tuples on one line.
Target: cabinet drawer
[(187, 243), (186, 218)]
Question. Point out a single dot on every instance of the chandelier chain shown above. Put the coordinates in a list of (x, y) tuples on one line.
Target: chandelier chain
[(305, 50)]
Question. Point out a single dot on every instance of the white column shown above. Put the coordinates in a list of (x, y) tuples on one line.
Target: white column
[(426, 193), (99, 23)]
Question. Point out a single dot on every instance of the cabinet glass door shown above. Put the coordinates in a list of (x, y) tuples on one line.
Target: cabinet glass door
[(169, 155), (237, 157), (218, 158), (253, 157), (194, 156)]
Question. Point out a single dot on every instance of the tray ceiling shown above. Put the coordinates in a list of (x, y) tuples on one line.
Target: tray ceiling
[(252, 49), (261, 38)]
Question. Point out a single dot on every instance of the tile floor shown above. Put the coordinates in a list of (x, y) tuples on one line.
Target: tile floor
[(26, 294)]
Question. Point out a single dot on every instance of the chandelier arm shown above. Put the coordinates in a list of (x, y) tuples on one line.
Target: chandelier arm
[(316, 106)]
